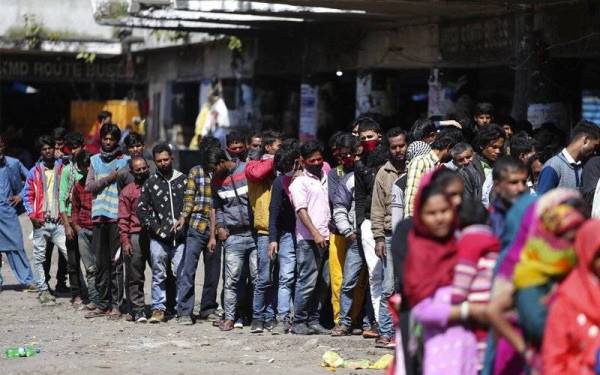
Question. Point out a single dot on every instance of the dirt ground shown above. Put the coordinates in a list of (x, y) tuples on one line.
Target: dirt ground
[(70, 343)]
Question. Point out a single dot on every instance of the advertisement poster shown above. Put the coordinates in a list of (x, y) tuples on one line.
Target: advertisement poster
[(309, 101)]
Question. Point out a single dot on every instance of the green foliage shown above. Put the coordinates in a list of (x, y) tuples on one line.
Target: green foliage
[(235, 44), (87, 57)]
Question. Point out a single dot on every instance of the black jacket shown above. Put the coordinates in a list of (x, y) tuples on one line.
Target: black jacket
[(473, 177), (160, 205), (364, 178)]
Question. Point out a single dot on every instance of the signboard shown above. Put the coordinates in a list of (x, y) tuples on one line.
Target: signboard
[(538, 114), (477, 40), (309, 116), (63, 68), (371, 95)]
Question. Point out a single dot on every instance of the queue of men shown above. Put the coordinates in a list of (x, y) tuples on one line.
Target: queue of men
[(294, 233)]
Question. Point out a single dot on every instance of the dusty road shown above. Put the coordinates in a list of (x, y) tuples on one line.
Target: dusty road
[(69, 343)]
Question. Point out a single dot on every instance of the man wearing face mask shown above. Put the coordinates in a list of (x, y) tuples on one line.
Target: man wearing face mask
[(236, 146), (344, 151), (364, 177), (134, 241), (134, 144), (381, 219), (11, 239), (313, 214)]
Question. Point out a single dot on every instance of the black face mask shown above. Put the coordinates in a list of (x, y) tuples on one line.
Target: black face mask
[(140, 178), (316, 169)]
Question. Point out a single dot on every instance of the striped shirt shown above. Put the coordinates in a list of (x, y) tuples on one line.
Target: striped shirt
[(105, 205), (197, 199), (417, 168)]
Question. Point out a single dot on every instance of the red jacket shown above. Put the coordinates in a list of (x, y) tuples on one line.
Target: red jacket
[(129, 223), (35, 189)]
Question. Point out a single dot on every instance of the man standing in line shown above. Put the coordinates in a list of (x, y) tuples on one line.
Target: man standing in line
[(40, 198), (69, 176), (11, 238), (381, 219), (311, 201), (160, 205), (134, 240), (102, 182)]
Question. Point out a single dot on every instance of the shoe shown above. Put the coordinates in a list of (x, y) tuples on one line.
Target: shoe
[(391, 344), (31, 288), (76, 302), (269, 325), (95, 313), (238, 324), (281, 328), (211, 315), (371, 333), (340, 330), (301, 329), (257, 326), (140, 317), (185, 320), (226, 325), (62, 289), (158, 316), (318, 329), (47, 299), (383, 342)]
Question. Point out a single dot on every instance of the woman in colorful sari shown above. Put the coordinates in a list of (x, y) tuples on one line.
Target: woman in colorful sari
[(572, 336), (428, 276), (541, 255)]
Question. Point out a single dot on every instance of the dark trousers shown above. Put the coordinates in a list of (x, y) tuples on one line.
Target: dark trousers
[(61, 272), (212, 274), (76, 280), (310, 285), (135, 266), (109, 279), (186, 277)]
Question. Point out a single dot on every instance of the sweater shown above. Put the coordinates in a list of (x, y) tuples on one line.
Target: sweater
[(558, 171), (231, 203), (129, 223), (260, 174), (105, 205)]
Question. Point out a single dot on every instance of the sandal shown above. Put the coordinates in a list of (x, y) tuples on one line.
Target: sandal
[(113, 314), (95, 314)]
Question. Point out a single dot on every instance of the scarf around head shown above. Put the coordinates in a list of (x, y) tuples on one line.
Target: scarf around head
[(581, 288), (546, 255), (430, 262)]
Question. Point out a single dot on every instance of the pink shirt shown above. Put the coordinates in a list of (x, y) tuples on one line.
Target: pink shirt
[(307, 191)]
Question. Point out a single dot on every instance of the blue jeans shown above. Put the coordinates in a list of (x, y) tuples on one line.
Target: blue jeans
[(186, 277), (353, 266), (84, 240), (386, 326), (42, 237), (162, 254), (240, 251), (310, 287), (19, 264), (264, 303), (287, 275)]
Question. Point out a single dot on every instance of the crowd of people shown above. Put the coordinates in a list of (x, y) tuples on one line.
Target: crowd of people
[(466, 246)]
